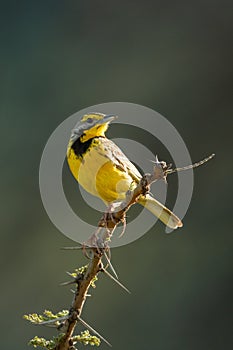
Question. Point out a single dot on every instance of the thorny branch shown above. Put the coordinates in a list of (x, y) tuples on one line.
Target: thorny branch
[(97, 247), (83, 285), (96, 250)]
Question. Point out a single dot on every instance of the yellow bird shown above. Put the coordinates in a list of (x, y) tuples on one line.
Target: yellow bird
[(103, 170)]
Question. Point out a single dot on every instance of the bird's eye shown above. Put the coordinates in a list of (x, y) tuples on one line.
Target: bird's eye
[(89, 120)]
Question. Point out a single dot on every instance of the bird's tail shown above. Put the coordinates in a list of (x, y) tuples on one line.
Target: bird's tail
[(159, 210)]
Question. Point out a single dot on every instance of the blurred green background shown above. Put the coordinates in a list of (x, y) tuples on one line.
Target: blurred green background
[(58, 57)]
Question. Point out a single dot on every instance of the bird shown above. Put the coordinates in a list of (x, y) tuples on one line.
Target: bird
[(103, 170)]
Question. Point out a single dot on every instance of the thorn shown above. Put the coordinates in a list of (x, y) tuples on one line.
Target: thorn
[(70, 274), (156, 162), (71, 248), (93, 330), (50, 322), (67, 283), (72, 291), (115, 280), (110, 264)]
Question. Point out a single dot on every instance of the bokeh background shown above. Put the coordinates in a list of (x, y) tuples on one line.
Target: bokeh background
[(58, 57)]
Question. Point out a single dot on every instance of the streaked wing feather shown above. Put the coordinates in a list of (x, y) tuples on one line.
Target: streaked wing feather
[(116, 156)]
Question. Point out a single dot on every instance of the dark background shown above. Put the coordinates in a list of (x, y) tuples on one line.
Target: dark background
[(58, 57)]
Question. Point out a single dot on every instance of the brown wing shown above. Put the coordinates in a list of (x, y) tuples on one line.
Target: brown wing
[(116, 156)]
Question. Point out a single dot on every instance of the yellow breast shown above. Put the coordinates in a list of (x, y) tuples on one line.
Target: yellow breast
[(98, 175)]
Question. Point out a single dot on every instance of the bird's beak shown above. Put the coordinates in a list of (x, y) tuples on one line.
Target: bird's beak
[(74, 135), (109, 118)]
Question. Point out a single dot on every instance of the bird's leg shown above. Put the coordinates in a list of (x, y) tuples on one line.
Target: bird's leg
[(91, 242), (96, 241), (109, 213), (100, 238), (108, 223), (125, 203), (119, 206), (123, 228)]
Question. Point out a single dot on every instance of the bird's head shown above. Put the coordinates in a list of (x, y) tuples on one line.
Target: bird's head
[(91, 125)]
